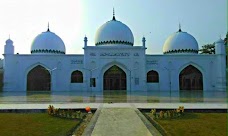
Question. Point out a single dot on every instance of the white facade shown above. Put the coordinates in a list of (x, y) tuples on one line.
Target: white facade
[(114, 46)]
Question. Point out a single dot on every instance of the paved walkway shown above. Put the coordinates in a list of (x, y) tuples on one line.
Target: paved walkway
[(120, 122)]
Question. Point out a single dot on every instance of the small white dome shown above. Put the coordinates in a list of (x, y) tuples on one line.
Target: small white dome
[(114, 32), (9, 41), (47, 43), (220, 41), (180, 42)]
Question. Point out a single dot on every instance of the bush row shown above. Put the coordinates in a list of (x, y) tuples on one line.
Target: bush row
[(168, 113), (70, 114)]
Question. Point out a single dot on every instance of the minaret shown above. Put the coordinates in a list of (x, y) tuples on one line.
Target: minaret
[(220, 53), (220, 47), (9, 48), (144, 41), (85, 41)]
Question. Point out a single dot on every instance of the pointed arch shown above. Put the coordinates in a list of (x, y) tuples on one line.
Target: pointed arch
[(38, 79), (190, 78), (114, 79)]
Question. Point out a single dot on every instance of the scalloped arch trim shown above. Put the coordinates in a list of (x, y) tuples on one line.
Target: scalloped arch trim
[(114, 42), (182, 51), (47, 51)]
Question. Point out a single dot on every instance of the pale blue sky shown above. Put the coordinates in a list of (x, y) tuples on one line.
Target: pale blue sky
[(206, 20)]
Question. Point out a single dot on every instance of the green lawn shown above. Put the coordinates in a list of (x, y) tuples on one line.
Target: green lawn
[(34, 124), (196, 124)]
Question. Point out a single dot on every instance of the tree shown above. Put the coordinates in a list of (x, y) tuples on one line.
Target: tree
[(208, 49), (225, 40)]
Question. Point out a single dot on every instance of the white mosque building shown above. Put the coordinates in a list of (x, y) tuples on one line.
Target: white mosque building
[(114, 63)]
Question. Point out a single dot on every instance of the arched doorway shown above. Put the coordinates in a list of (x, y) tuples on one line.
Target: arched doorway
[(39, 79), (115, 79), (190, 78)]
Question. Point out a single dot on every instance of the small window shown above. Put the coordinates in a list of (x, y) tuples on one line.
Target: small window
[(77, 77), (152, 77), (92, 82), (136, 81)]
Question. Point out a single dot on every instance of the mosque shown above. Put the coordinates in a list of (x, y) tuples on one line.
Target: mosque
[(114, 63)]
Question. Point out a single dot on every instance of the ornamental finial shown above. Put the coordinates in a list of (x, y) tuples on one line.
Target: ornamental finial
[(179, 27), (48, 30), (113, 18)]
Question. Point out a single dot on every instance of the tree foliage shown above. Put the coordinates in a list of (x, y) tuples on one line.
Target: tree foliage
[(208, 49)]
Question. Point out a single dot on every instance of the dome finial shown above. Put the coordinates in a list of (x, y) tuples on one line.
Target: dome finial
[(113, 18), (9, 36), (48, 30), (179, 27), (220, 36)]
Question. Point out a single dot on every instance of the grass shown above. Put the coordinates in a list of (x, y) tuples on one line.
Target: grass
[(34, 124), (197, 124)]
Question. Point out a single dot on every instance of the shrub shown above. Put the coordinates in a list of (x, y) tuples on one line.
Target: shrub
[(78, 113), (161, 114), (153, 112), (168, 114), (51, 109), (70, 114)]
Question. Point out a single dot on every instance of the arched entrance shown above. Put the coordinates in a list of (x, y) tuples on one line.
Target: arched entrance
[(114, 79), (39, 79), (191, 78)]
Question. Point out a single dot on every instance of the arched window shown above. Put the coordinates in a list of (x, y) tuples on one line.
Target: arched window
[(76, 77), (152, 77)]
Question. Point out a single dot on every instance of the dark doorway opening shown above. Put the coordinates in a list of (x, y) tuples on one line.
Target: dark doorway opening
[(115, 79), (191, 78), (39, 79)]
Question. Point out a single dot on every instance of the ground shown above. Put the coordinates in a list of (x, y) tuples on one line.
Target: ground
[(208, 124), (34, 124)]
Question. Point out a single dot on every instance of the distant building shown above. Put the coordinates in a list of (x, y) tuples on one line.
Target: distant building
[(114, 63)]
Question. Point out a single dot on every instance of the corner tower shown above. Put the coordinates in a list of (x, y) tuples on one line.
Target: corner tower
[(9, 48)]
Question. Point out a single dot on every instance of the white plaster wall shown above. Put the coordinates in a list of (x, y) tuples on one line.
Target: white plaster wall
[(136, 65), (132, 63), (17, 67), (174, 64)]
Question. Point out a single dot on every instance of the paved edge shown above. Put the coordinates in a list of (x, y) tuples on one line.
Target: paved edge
[(89, 129), (127, 105), (146, 122)]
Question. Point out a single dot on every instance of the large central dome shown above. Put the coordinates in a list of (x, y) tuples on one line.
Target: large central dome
[(114, 32)]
